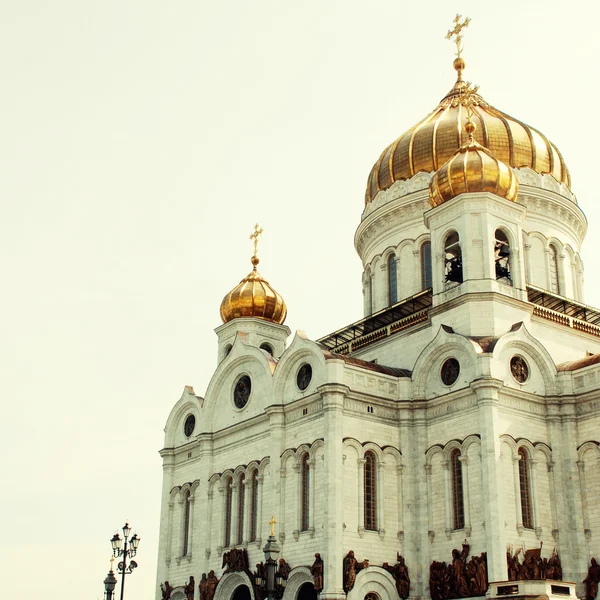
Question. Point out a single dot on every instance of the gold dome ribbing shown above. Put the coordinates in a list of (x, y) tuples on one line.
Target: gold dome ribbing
[(435, 139)]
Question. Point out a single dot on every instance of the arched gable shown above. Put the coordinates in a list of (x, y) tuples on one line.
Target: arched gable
[(230, 582), (374, 579), (296, 579)]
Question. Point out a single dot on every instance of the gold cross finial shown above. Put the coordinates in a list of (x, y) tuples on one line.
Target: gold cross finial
[(254, 237), (456, 32), (272, 524), (466, 99)]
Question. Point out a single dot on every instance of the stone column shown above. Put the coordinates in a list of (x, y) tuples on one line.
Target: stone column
[(299, 499), (208, 530), (311, 498), (190, 551), (361, 496), (534, 498), (517, 485), (380, 495), (464, 468), (487, 392), (584, 499), (448, 498), (333, 412), (247, 483), (235, 516), (276, 448), (400, 495), (259, 510), (528, 275)]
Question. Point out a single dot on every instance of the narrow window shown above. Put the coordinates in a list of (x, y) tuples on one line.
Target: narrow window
[(525, 488), (454, 271), (267, 348), (426, 265), (502, 257), (370, 492), (228, 493), (305, 492), (392, 280), (254, 506), (186, 524), (458, 509), (240, 507), (554, 282)]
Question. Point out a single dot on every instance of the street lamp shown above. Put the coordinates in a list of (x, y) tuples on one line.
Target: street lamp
[(129, 551), (110, 582), (271, 551)]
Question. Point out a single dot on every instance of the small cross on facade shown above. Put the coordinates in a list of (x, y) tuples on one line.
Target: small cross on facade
[(456, 32), (254, 237), (272, 523)]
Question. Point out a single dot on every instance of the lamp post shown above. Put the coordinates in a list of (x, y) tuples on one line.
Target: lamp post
[(271, 551), (129, 550), (110, 582)]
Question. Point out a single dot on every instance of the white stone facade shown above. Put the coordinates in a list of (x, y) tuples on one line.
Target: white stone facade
[(378, 389)]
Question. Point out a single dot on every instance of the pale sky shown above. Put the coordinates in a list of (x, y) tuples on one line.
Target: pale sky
[(141, 141)]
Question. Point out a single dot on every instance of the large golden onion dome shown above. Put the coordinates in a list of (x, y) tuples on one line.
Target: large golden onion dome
[(435, 139), (253, 297), (473, 168)]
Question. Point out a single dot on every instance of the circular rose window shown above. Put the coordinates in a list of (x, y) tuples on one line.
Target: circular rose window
[(242, 390), (189, 425), (450, 371), (304, 376), (519, 369)]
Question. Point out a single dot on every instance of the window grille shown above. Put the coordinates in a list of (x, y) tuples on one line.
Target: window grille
[(502, 257), (370, 492), (254, 506), (554, 281), (228, 492), (525, 489), (305, 493), (241, 494), (392, 280), (458, 507), (186, 524), (453, 254), (426, 265)]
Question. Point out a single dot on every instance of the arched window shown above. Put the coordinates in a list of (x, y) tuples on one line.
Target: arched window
[(426, 265), (553, 259), (502, 257), (525, 488), (254, 506), (392, 280), (458, 507), (370, 491), (240, 507), (267, 348), (186, 523), (305, 492), (453, 254), (228, 495)]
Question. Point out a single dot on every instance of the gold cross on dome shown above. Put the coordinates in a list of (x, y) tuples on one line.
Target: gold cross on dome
[(456, 32), (272, 524), (254, 237)]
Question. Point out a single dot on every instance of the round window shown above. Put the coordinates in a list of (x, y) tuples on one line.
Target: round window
[(450, 371), (304, 376), (241, 391), (189, 425), (519, 369)]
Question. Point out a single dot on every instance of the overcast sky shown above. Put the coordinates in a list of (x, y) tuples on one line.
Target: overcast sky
[(141, 141)]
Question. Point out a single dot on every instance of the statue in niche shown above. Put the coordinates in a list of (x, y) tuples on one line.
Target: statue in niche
[(166, 590), (235, 560), (533, 567), (202, 587), (189, 587), (211, 585), (350, 569), (316, 571), (591, 581), (284, 568), (400, 574)]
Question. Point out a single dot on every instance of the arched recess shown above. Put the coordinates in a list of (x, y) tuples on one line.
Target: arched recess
[(229, 584), (374, 579), (296, 579), (177, 594)]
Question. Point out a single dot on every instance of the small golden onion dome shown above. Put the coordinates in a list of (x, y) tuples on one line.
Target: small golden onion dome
[(430, 143), (253, 297), (473, 168)]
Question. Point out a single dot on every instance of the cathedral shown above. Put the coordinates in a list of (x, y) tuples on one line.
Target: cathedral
[(445, 445)]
